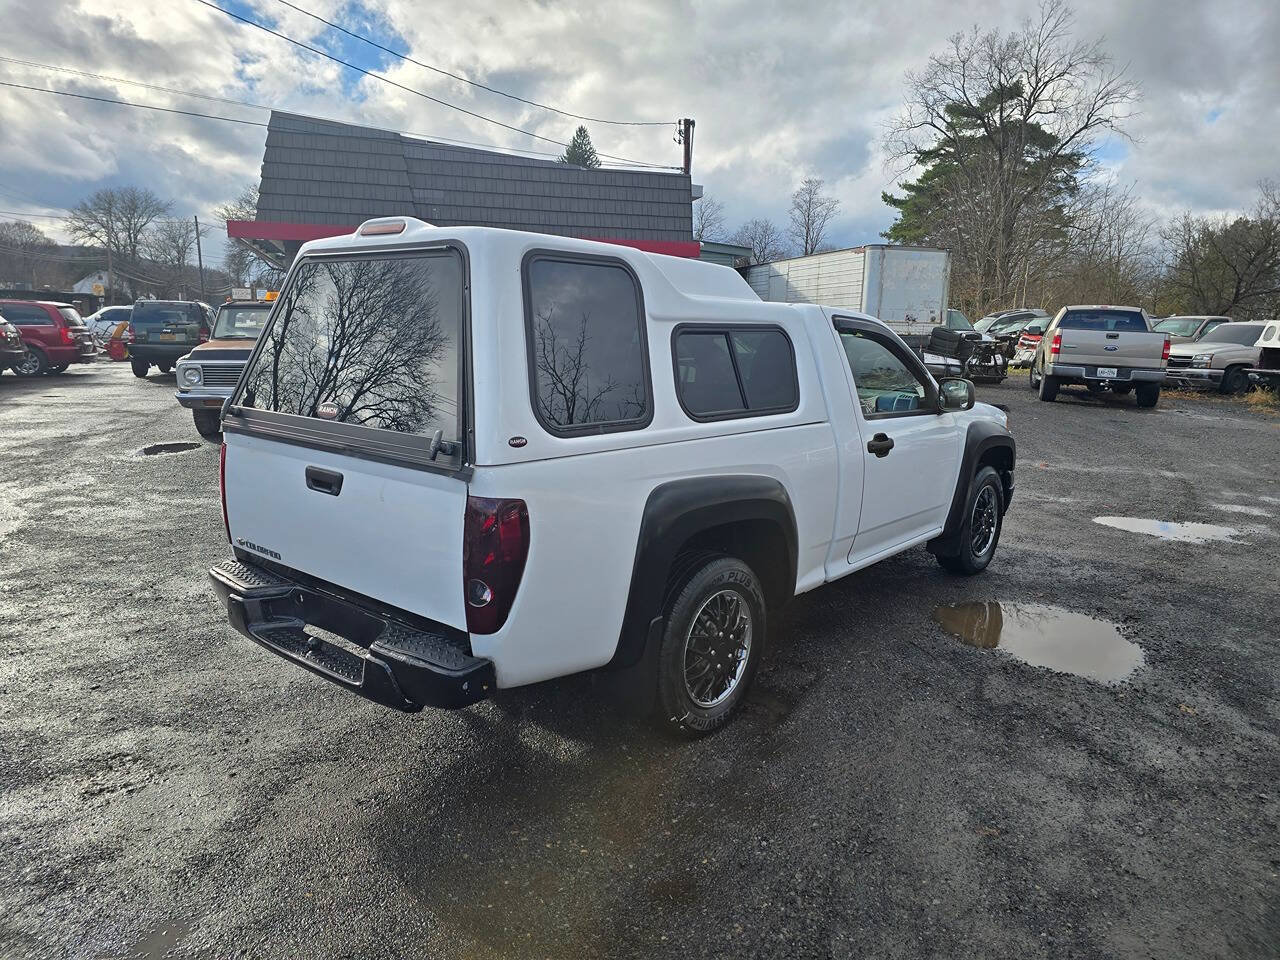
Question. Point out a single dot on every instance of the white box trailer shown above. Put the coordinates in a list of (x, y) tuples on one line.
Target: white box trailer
[(906, 287)]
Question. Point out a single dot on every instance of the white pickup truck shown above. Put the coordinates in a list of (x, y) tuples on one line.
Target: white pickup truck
[(462, 459), (1103, 348)]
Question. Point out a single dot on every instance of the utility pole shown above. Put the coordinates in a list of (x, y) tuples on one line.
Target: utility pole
[(684, 134), (108, 273), (199, 258)]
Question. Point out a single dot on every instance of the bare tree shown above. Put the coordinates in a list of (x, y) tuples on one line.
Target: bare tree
[(1225, 265), (1003, 128), (566, 394), (763, 237), (245, 267), (708, 219), (116, 221), (170, 245), (811, 214), (21, 246)]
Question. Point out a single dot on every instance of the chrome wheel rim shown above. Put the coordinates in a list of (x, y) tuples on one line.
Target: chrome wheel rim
[(716, 648), (27, 365), (985, 517)]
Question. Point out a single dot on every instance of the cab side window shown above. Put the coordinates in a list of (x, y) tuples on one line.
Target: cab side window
[(886, 386)]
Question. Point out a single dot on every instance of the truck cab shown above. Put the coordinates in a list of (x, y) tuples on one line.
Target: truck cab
[(461, 459)]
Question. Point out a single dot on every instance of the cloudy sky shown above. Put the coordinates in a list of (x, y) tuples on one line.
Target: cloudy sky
[(779, 91)]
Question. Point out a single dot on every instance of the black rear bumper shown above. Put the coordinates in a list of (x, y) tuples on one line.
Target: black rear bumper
[(401, 666)]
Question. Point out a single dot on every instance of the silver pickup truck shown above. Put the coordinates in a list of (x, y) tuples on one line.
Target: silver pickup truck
[(1101, 347)]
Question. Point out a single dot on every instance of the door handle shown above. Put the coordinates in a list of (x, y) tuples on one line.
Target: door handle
[(880, 445), (324, 481)]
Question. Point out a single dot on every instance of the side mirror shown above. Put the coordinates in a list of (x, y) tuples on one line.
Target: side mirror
[(1035, 330), (955, 393)]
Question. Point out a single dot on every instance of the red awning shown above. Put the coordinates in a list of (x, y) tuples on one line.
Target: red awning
[(272, 236)]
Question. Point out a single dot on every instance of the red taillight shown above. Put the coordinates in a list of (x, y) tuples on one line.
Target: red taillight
[(68, 336), (1164, 355), (1055, 345), (222, 489), (495, 544)]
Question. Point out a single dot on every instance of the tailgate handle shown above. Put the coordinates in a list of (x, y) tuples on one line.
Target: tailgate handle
[(324, 481), (1113, 336)]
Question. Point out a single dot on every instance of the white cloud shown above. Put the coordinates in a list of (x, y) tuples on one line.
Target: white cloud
[(779, 91)]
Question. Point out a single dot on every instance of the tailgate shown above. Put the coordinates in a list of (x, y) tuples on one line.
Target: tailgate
[(344, 455), (1112, 348), (390, 532)]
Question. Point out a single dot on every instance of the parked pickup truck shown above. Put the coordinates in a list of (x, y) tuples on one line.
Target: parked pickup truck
[(464, 458), (1267, 370), (1101, 347), (1221, 359), (207, 375)]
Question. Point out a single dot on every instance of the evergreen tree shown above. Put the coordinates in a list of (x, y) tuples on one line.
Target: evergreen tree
[(580, 152)]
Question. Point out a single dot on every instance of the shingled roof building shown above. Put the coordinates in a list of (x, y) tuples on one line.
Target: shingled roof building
[(321, 178)]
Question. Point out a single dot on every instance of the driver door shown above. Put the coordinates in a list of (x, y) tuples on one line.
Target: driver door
[(910, 449)]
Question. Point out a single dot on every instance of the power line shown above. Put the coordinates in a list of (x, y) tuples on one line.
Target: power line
[(474, 83), (377, 76), (267, 107), (129, 103), (40, 216)]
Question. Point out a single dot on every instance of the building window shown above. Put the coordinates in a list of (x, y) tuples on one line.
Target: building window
[(724, 372), (588, 360)]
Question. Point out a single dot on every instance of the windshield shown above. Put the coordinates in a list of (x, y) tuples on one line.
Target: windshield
[(958, 321), (1126, 321), (1010, 324), (1178, 326), (240, 322), (1242, 334)]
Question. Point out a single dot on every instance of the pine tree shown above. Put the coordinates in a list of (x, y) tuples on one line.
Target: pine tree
[(580, 152)]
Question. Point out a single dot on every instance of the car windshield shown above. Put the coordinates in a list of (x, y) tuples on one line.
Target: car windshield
[(958, 321), (1126, 321), (1242, 334), (1010, 324), (1178, 326), (241, 322)]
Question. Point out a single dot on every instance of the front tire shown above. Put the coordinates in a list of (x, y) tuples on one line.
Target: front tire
[(1234, 380), (140, 367), (983, 520), (1148, 394), (711, 645), (34, 364), (208, 425)]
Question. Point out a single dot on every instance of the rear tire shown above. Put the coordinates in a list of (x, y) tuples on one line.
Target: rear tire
[(1048, 387), (34, 364), (983, 520), (140, 367), (712, 642), (1234, 380), (208, 425), (1148, 394)]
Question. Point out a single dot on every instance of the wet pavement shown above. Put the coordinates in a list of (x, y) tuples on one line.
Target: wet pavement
[(166, 787)]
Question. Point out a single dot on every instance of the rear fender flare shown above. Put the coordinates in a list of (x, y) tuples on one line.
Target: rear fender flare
[(676, 512)]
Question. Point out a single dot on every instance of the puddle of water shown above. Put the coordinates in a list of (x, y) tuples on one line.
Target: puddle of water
[(1045, 636), (1168, 530), (155, 448), (160, 943), (1242, 508)]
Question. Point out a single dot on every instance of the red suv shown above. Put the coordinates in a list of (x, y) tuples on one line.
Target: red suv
[(54, 333)]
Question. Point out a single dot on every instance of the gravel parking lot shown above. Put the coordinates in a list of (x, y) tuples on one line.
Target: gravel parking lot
[(165, 785)]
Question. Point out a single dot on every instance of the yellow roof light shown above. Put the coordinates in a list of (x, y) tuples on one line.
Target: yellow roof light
[(270, 295), (381, 228)]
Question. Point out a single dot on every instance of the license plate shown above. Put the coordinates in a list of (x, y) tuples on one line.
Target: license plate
[(1106, 373), (166, 336)]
